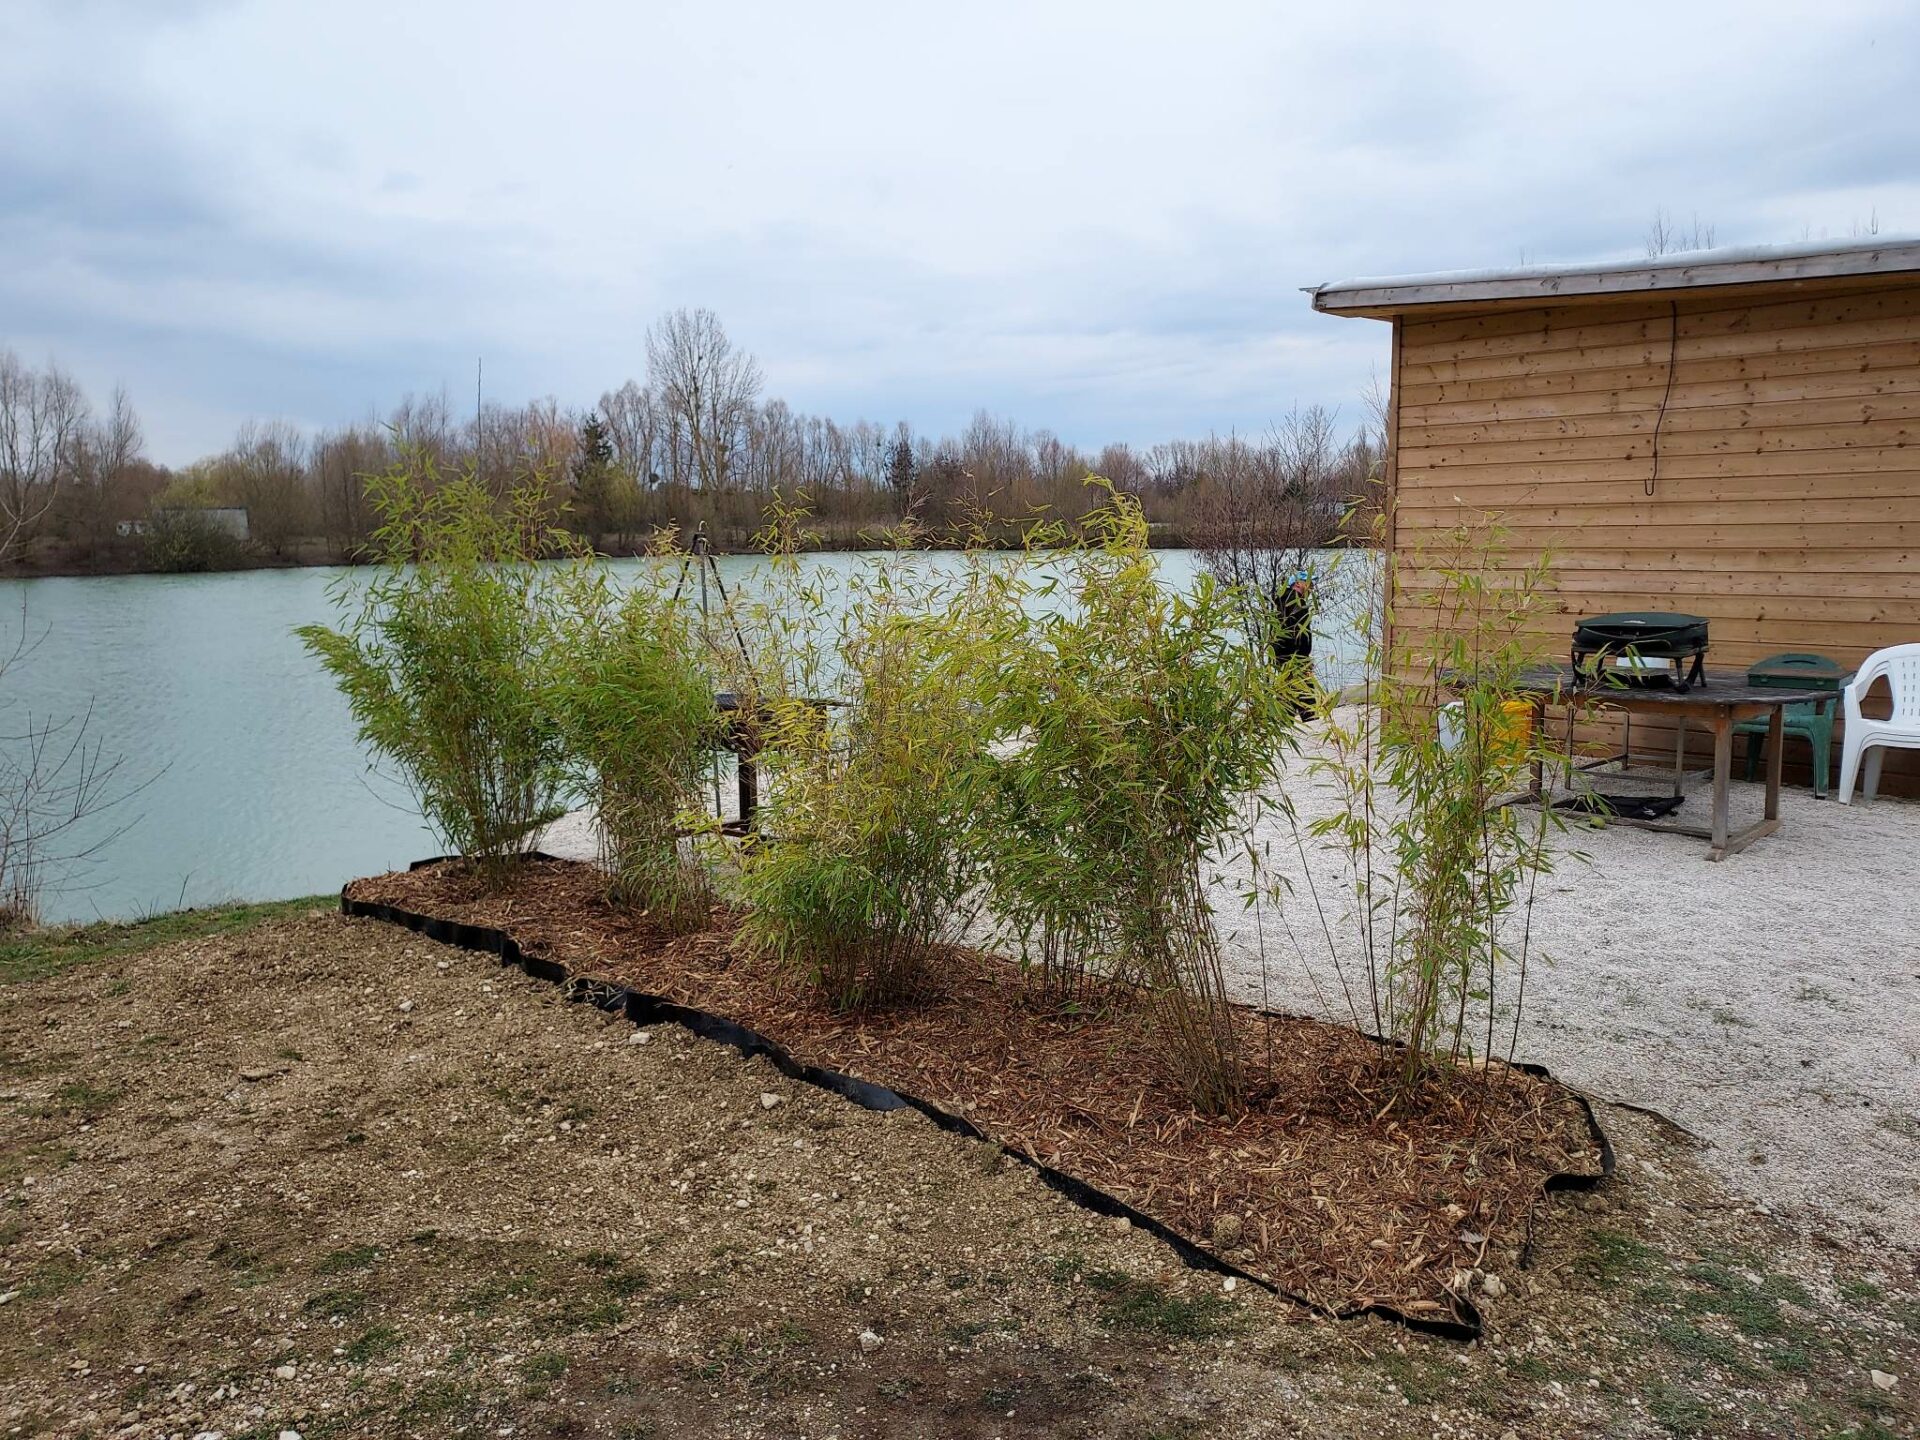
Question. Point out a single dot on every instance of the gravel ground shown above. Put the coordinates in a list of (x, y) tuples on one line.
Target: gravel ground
[(325, 1177), (1768, 1003)]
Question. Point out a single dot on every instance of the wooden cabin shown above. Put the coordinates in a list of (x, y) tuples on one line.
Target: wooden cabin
[(1734, 434)]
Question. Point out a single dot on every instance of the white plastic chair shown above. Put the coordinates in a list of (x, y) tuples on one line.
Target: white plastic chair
[(1873, 738)]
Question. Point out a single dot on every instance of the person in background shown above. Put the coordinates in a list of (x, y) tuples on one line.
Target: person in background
[(1293, 630)]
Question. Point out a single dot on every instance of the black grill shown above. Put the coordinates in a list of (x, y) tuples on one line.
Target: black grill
[(1609, 645)]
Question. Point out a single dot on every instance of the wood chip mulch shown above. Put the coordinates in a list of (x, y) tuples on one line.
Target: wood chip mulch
[(1325, 1186)]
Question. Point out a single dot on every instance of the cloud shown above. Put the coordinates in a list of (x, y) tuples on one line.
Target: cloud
[(1094, 218)]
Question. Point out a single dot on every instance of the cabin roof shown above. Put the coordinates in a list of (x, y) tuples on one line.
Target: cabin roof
[(1382, 297)]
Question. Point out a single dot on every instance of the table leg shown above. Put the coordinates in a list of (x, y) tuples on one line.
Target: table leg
[(1722, 768), (749, 791), (1538, 735), (1776, 743), (1679, 755)]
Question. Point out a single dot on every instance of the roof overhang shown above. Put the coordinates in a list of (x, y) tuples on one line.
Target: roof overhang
[(1383, 297)]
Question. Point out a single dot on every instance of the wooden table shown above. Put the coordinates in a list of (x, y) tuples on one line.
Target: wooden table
[(740, 733), (1721, 703)]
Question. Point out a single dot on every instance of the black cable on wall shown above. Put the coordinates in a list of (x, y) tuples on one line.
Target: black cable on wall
[(1673, 355)]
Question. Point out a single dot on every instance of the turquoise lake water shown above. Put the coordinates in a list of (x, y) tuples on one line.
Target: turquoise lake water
[(252, 786)]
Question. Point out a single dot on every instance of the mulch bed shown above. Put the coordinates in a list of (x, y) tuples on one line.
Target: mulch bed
[(1325, 1186)]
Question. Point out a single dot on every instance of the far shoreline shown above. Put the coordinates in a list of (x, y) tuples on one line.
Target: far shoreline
[(128, 557)]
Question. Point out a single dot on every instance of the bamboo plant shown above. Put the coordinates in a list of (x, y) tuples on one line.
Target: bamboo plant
[(634, 704), (442, 655), (1443, 874), (1138, 732)]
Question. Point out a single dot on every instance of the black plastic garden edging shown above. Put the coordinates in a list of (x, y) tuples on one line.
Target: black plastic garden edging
[(646, 1009)]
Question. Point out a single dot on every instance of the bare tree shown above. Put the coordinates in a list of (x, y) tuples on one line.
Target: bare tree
[(55, 776), (423, 425), (1261, 512), (41, 412), (1665, 236), (633, 425), (708, 388), (342, 459), (266, 471), (1125, 469), (512, 442), (1361, 484), (774, 442), (105, 453)]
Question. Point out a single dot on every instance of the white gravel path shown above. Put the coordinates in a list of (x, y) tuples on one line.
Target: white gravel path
[(1768, 1003)]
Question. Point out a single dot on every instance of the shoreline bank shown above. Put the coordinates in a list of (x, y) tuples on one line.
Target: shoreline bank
[(128, 557)]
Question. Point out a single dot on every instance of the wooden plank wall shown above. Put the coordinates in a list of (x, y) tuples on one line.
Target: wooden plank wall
[(1786, 506)]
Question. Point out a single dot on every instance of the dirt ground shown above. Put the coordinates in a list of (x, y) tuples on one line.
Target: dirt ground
[(323, 1176), (1341, 1194)]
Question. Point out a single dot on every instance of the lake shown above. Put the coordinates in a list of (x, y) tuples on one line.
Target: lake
[(251, 783)]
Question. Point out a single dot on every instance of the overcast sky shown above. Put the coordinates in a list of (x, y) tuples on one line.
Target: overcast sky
[(1090, 217)]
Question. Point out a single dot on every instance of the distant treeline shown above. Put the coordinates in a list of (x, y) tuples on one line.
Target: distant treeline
[(695, 445)]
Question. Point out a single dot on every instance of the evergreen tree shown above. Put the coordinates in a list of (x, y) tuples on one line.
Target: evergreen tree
[(902, 472), (593, 481)]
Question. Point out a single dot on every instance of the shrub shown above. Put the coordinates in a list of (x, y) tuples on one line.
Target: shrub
[(443, 660), (636, 712), (190, 542), (1139, 731), (1443, 875), (865, 870)]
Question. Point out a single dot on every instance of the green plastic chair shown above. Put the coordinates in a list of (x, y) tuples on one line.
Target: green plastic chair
[(1811, 720)]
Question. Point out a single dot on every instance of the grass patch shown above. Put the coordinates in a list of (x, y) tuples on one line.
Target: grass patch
[(1612, 1256), (965, 1332), (1787, 1288), (335, 1304), (1697, 1344), (40, 953), (439, 1401), (1681, 1411), (487, 1298), (1134, 1304), (579, 1313), (1751, 1308), (733, 1351), (1531, 1367), (627, 1283), (231, 1256), (1791, 1360), (372, 1343), (342, 1262), (1417, 1378), (1142, 1305), (84, 1097), (56, 1277), (622, 1279)]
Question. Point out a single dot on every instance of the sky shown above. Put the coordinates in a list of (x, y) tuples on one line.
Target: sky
[(1094, 218)]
